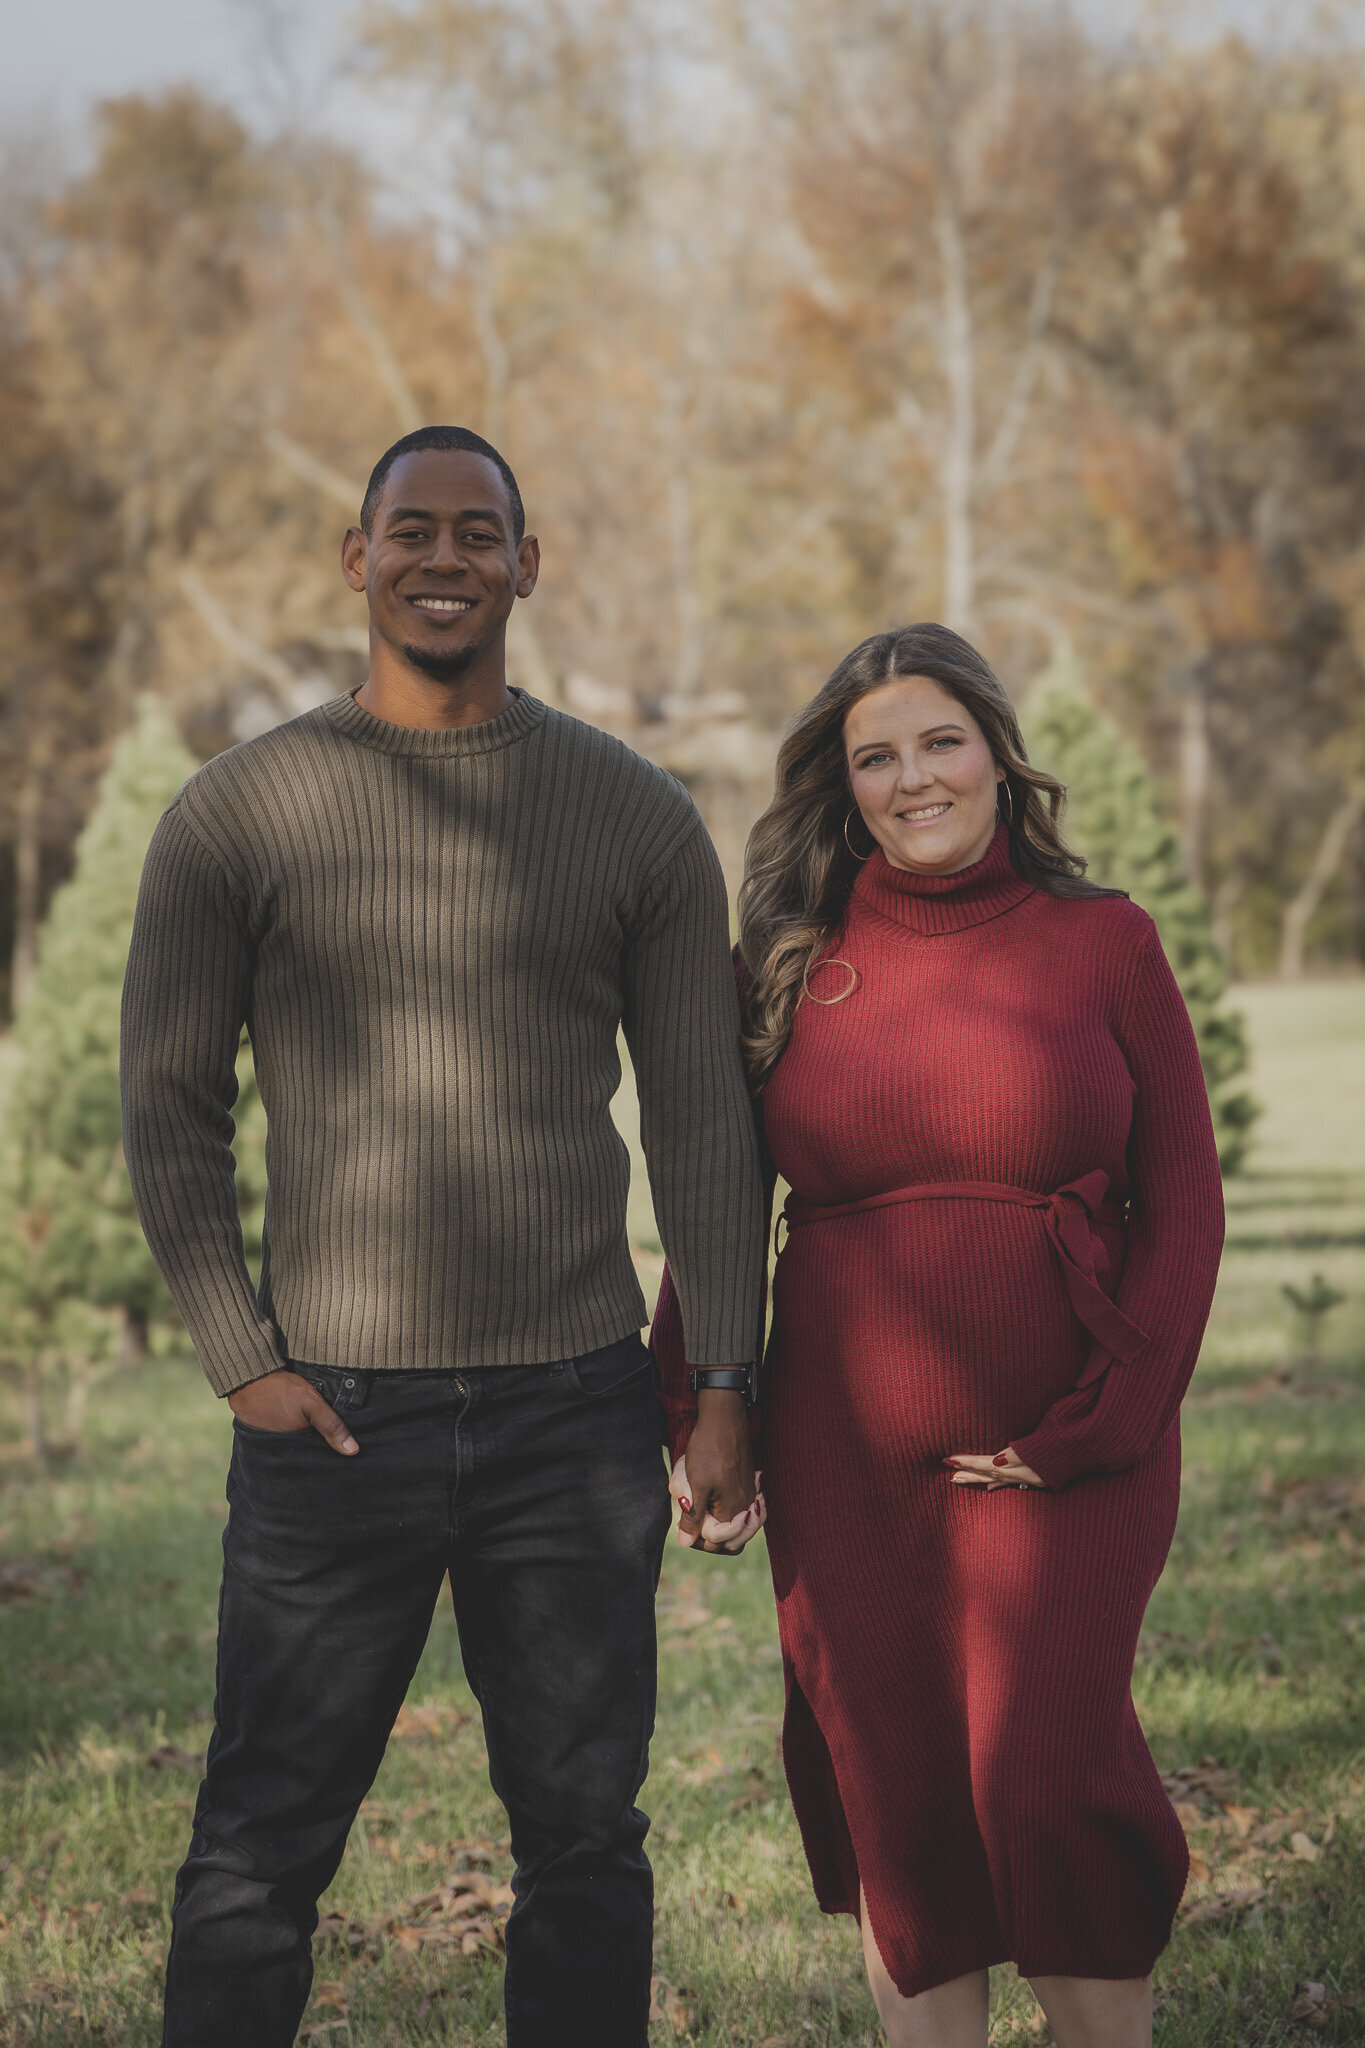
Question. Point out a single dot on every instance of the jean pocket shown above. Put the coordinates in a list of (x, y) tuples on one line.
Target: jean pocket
[(614, 1369), (240, 1428), (341, 1390)]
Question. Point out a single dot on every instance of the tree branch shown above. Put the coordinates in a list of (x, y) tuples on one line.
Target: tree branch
[(328, 480), (1298, 912), (269, 667)]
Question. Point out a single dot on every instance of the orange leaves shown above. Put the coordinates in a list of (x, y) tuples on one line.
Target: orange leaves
[(666, 2003), (1238, 1855), (466, 1913), (169, 1756), (1205, 1780), (426, 1724)]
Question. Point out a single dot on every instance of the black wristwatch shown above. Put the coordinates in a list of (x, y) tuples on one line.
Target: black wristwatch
[(729, 1379)]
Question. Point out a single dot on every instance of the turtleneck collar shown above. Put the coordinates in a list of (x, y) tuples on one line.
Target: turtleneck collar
[(428, 743), (934, 905)]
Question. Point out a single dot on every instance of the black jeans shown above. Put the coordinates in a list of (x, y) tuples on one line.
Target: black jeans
[(542, 1490)]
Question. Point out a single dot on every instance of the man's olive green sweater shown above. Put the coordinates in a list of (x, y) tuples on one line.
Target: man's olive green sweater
[(432, 939)]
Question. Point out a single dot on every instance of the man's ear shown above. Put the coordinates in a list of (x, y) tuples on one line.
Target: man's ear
[(528, 564), (354, 549)]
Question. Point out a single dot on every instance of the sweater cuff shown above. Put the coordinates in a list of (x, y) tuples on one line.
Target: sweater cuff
[(680, 1419), (1057, 1454), (225, 1372)]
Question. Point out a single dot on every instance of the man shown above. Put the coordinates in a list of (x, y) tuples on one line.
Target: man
[(433, 904)]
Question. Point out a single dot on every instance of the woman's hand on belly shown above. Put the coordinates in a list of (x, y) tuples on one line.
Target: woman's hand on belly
[(1006, 1468)]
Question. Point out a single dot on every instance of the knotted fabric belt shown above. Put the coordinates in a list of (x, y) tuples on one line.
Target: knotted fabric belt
[(1068, 1215)]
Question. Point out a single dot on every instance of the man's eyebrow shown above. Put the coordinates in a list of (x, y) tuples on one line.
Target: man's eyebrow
[(425, 512)]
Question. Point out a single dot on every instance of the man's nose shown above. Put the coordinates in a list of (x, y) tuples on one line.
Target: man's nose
[(445, 552)]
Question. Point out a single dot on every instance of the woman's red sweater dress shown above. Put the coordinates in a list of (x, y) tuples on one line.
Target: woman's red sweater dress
[(1005, 1227)]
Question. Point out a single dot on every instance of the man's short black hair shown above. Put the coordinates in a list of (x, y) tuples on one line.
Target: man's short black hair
[(447, 439)]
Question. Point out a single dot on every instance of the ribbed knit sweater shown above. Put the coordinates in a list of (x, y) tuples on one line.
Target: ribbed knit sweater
[(1006, 1218), (433, 938)]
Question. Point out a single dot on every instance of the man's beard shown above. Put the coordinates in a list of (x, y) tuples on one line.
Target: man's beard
[(443, 668)]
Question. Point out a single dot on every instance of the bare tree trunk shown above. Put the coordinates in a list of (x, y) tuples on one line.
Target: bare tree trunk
[(1298, 912), (687, 660), (28, 850), (492, 347), (132, 1349), (1226, 898), (80, 1379), (1194, 776), (33, 1411), (959, 440), (390, 372)]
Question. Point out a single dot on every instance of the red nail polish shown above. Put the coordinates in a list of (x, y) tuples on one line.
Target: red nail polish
[(1003, 1459), (684, 1503)]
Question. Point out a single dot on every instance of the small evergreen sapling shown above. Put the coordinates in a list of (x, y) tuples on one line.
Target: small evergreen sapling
[(1112, 818), (77, 1282)]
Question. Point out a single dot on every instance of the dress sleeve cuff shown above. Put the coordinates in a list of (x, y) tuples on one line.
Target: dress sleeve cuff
[(1056, 1455)]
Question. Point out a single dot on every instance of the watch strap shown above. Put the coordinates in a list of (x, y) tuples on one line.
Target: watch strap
[(730, 1379)]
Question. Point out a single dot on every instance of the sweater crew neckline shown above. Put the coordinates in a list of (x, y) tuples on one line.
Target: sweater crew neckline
[(444, 743), (934, 905)]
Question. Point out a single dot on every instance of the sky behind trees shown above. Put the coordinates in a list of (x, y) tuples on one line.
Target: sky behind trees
[(64, 55)]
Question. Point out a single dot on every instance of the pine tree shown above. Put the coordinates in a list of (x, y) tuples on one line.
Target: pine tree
[(72, 1249), (1112, 818)]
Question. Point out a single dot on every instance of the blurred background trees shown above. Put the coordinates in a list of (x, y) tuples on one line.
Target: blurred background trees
[(796, 322)]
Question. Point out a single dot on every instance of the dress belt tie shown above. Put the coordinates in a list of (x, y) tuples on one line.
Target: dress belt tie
[(1068, 1214)]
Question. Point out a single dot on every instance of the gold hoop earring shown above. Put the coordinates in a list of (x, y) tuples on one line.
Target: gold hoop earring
[(1009, 799), (849, 843)]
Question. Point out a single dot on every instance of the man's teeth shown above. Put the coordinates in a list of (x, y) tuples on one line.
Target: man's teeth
[(444, 604)]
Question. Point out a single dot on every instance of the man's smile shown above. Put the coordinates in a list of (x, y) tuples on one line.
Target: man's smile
[(441, 606)]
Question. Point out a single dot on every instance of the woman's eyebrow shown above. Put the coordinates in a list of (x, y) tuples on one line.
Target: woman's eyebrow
[(870, 746)]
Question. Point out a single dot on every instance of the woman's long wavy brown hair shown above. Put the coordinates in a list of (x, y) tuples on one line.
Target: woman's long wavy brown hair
[(799, 869)]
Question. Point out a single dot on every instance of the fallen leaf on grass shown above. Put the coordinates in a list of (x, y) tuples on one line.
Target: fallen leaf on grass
[(1205, 1780), (1224, 1906), (1313, 2006), (169, 1756), (1199, 1869), (712, 1766), (667, 2004), (1243, 1818), (337, 1928), (99, 1758), (758, 1790), (333, 1995), (1304, 1847), (426, 1724)]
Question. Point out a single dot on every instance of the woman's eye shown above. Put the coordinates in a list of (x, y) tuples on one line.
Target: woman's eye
[(947, 740)]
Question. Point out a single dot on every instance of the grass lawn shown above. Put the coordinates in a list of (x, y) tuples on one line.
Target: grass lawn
[(1251, 1685)]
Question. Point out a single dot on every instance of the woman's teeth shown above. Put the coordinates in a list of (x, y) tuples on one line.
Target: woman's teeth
[(927, 815)]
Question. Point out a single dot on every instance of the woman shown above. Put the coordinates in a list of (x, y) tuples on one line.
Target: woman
[(977, 1076)]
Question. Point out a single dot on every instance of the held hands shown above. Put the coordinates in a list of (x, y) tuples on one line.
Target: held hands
[(285, 1401), (1006, 1468), (714, 1483)]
